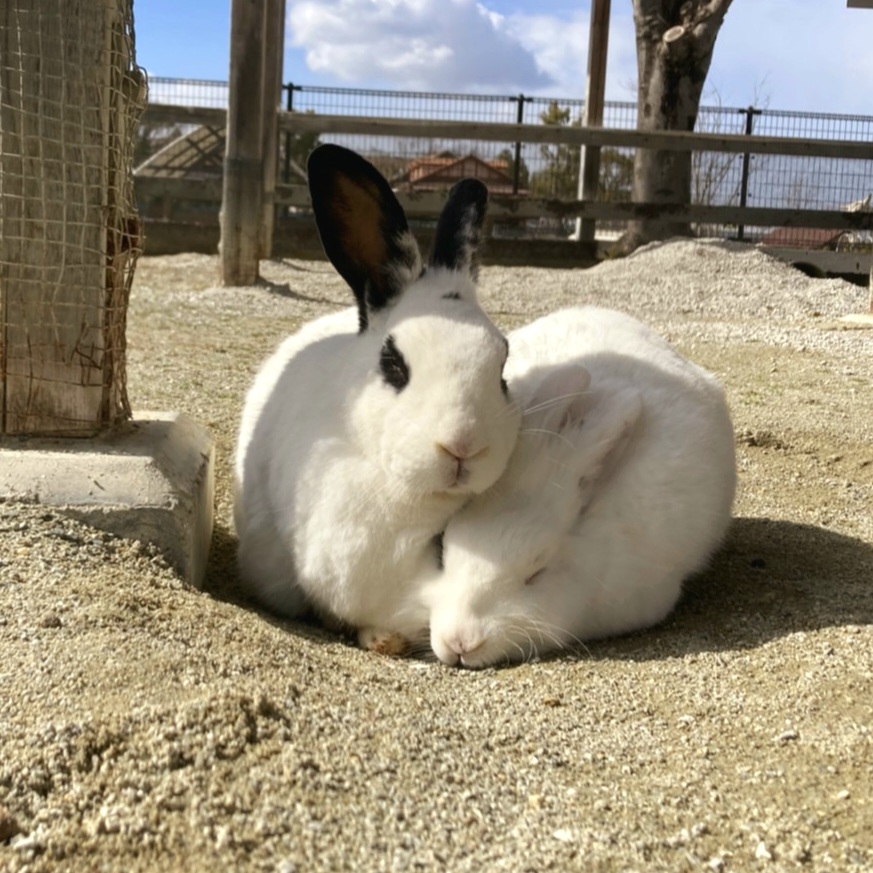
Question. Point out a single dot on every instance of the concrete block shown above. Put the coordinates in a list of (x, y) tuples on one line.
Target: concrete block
[(153, 481)]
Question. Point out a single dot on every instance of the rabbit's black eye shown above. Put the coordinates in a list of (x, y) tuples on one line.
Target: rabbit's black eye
[(393, 366)]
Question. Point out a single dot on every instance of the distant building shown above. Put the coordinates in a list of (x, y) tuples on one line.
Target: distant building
[(819, 237), (195, 156), (439, 172), (804, 238)]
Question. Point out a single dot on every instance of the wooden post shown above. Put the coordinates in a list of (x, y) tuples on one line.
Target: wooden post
[(273, 56), (595, 90), (864, 4), (242, 201), (61, 327)]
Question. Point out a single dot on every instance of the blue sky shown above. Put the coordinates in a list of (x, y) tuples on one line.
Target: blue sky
[(808, 55)]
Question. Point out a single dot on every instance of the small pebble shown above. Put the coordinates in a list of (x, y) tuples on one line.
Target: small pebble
[(762, 853), (9, 826)]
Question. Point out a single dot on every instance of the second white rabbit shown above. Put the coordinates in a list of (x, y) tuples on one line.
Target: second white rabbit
[(620, 486)]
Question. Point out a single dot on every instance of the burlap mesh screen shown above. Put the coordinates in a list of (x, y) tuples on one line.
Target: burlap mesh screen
[(70, 99)]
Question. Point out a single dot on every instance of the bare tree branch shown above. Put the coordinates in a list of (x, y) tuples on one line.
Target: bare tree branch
[(675, 40)]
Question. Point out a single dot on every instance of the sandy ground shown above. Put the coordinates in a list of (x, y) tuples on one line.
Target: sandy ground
[(146, 726)]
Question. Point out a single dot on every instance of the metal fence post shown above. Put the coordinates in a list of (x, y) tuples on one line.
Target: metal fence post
[(519, 117), (289, 106), (750, 113)]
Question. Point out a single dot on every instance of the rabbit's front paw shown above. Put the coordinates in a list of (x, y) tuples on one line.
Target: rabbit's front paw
[(383, 642)]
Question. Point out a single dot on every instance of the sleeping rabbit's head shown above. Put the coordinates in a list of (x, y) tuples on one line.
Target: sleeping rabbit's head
[(500, 595), (430, 405)]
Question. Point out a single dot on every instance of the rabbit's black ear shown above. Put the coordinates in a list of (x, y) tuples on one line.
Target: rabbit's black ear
[(456, 240), (363, 228)]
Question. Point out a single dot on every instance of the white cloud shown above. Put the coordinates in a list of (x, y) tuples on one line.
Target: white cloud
[(815, 58), (560, 45), (445, 45)]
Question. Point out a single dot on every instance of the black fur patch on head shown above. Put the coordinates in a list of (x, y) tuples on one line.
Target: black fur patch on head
[(391, 278), (393, 366)]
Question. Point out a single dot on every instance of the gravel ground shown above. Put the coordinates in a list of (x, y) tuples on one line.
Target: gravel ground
[(146, 726)]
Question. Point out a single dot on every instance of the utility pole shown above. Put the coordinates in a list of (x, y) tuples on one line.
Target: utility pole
[(865, 4), (272, 97), (253, 98), (592, 115)]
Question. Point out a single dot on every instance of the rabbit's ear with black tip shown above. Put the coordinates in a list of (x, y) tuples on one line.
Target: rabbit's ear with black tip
[(459, 228), (362, 226)]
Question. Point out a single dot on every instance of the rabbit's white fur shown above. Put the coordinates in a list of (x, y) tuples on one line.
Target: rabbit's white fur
[(347, 466), (617, 490)]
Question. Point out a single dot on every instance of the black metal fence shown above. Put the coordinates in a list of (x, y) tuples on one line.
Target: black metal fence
[(552, 170)]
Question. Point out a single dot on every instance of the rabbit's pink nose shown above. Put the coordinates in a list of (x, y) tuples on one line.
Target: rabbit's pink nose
[(465, 643), (463, 454), (455, 647), (462, 450)]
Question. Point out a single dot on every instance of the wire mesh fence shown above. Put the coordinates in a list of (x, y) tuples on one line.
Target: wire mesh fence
[(812, 183), (552, 171), (70, 99)]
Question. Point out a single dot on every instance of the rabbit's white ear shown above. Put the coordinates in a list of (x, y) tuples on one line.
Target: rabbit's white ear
[(560, 400), (603, 438), (362, 226), (456, 240)]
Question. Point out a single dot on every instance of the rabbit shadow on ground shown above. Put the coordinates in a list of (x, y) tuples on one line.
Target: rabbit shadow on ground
[(770, 579), (223, 583)]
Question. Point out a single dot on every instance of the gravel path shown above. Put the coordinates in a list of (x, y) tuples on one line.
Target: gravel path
[(146, 726)]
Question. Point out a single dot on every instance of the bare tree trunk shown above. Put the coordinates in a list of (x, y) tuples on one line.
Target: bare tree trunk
[(675, 41)]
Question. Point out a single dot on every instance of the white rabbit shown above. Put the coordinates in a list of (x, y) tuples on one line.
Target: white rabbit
[(620, 486), (364, 433)]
